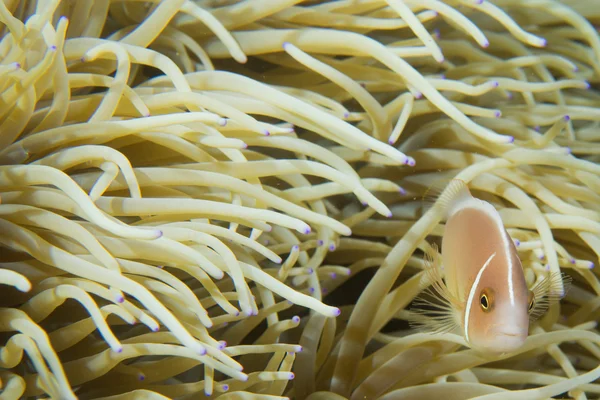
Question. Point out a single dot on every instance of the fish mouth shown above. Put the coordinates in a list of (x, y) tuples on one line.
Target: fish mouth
[(506, 342), (509, 334)]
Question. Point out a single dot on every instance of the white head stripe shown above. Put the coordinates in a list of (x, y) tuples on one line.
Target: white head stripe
[(472, 294)]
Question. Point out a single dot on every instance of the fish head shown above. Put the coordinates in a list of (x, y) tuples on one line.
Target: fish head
[(498, 313)]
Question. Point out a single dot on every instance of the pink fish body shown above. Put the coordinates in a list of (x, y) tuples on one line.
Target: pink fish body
[(483, 270), (483, 294)]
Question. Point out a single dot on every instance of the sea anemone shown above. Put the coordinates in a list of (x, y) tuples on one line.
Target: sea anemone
[(226, 198)]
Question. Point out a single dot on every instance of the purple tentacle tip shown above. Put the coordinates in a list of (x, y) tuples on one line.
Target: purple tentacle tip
[(310, 271), (497, 113), (141, 377), (17, 65), (159, 234), (337, 312), (292, 376), (346, 115), (311, 290), (402, 191), (592, 265), (296, 247), (120, 299), (202, 351), (285, 44), (119, 350), (572, 261), (547, 268), (266, 132), (296, 319), (225, 387), (333, 275), (307, 230), (495, 83), (485, 44), (222, 344), (155, 328), (587, 84), (222, 121), (567, 117), (63, 18), (364, 203), (319, 242), (511, 139), (517, 242), (332, 247), (543, 42), (389, 215), (391, 142), (53, 48), (299, 349), (575, 68), (568, 150), (479, 2)]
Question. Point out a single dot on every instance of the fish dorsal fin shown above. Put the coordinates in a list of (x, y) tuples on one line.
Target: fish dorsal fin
[(549, 290), (436, 309), (456, 192), (445, 194)]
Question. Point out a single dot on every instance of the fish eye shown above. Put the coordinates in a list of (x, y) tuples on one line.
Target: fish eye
[(484, 301)]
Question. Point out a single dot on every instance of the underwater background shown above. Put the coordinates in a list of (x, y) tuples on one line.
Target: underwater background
[(233, 199)]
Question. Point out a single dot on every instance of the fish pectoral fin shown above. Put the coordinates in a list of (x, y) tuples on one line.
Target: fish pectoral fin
[(548, 291), (430, 314), (436, 309), (434, 276)]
